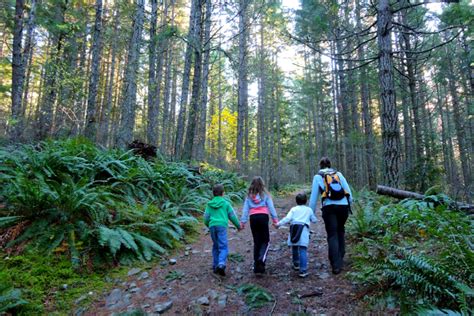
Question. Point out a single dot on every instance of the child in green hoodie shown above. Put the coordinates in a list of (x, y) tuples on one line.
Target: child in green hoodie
[(216, 217)]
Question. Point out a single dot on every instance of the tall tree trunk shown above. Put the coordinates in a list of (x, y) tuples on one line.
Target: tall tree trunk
[(185, 82), (107, 112), (389, 117), (167, 92), (261, 101), (242, 99), (171, 128), (201, 139), (90, 130), (127, 120), (459, 126), (366, 115), (415, 107), (18, 72), (46, 121), (28, 55), (152, 84), (196, 92)]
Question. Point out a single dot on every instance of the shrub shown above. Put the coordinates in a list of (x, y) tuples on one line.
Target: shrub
[(94, 204), (422, 249)]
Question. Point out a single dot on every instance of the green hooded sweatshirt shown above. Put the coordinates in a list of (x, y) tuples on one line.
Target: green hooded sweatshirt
[(218, 212)]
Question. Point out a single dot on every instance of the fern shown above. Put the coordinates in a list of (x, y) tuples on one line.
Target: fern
[(10, 298), (255, 296)]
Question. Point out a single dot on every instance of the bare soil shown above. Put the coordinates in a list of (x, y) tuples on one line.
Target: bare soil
[(196, 280)]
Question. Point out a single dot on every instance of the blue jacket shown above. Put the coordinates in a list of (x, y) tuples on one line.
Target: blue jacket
[(318, 186)]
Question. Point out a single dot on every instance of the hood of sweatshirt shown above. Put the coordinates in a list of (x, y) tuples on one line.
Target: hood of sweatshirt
[(256, 198), (216, 202)]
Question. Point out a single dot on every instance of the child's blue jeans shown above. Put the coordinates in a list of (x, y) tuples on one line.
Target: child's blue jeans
[(300, 257), (219, 247)]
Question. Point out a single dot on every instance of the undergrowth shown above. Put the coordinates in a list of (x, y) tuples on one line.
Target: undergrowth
[(418, 251), (95, 208), (255, 296)]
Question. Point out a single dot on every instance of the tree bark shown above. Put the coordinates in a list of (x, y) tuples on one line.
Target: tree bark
[(459, 126), (185, 82), (389, 117), (91, 118), (201, 139), (242, 99), (28, 55), (196, 89), (107, 111), (152, 80), (18, 72), (366, 115), (127, 120)]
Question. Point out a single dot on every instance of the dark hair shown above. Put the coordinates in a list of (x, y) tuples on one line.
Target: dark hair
[(324, 163), (257, 186), (301, 198), (218, 190)]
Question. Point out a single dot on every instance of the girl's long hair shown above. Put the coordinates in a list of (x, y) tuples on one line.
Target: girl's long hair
[(257, 186)]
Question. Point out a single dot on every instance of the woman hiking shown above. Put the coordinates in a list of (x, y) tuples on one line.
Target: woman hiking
[(336, 198)]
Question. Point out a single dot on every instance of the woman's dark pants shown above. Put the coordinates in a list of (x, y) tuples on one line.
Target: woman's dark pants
[(335, 217)]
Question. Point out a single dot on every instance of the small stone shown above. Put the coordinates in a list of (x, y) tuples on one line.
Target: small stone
[(64, 287), (114, 297), (204, 300), (324, 275), (90, 293), (135, 290), (161, 308), (172, 261), (132, 285), (238, 270), (195, 252), (143, 276), (133, 271), (212, 294), (188, 248), (222, 301), (163, 263), (144, 306), (186, 253)]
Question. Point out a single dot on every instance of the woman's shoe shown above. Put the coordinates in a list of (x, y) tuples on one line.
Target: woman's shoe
[(303, 274)]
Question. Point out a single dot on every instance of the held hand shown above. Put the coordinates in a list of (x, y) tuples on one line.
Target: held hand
[(242, 226)]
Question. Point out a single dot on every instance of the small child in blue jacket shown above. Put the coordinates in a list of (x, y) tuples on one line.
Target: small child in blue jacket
[(300, 218)]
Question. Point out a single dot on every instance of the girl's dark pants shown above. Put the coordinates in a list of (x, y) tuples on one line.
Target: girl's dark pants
[(261, 240), (335, 217)]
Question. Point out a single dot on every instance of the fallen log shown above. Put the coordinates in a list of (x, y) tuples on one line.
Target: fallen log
[(402, 194)]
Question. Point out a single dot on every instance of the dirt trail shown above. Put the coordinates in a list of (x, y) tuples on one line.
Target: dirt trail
[(196, 290)]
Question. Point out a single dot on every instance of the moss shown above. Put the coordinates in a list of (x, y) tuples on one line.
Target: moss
[(50, 283)]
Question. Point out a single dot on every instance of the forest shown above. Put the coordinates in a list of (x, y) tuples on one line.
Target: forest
[(118, 117)]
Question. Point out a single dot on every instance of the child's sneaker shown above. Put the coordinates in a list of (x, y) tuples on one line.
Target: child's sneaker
[(296, 267), (303, 274), (220, 270)]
